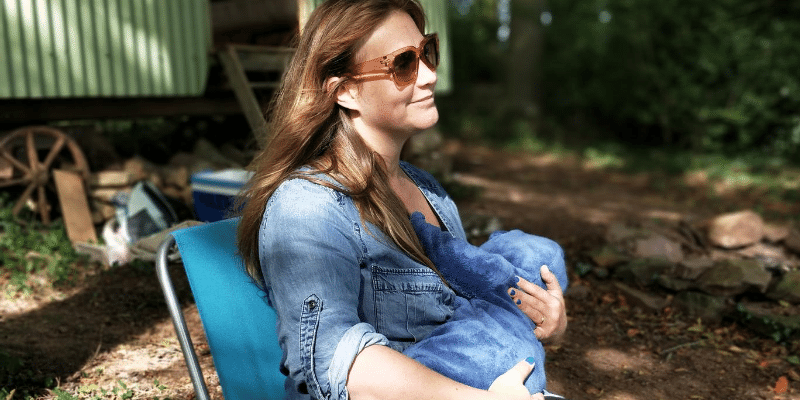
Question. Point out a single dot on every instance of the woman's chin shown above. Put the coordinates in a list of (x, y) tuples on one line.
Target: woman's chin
[(429, 119)]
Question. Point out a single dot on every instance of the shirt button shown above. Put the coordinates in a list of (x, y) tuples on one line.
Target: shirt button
[(312, 304)]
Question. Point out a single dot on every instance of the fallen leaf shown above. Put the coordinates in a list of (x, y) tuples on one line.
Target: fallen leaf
[(782, 385)]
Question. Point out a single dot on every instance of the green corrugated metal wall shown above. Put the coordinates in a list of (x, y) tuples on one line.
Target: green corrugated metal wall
[(436, 16), (103, 48)]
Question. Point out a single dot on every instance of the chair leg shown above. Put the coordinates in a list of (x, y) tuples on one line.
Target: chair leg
[(181, 330)]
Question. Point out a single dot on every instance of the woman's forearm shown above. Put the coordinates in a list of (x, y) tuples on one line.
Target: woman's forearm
[(380, 373)]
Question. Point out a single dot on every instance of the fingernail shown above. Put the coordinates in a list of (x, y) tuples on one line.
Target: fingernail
[(512, 292), (517, 281), (519, 302), (530, 360), (546, 267)]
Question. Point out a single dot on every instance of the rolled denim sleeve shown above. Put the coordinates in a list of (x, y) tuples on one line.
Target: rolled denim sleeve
[(311, 253)]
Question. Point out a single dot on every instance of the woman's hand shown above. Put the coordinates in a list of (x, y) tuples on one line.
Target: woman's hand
[(512, 384), (546, 308)]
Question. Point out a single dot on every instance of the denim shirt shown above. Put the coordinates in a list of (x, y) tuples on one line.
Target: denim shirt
[(338, 287)]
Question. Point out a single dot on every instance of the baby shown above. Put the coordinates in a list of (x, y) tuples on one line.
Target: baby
[(487, 334)]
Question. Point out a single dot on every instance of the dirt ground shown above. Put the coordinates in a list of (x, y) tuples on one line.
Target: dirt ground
[(110, 336)]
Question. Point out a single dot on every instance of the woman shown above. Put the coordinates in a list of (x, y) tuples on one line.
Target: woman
[(326, 218)]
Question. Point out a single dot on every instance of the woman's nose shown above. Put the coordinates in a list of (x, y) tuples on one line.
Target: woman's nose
[(425, 76)]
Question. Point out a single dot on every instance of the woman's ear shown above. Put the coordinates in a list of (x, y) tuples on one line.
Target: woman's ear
[(345, 92)]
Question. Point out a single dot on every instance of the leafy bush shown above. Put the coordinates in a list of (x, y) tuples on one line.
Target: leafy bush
[(712, 76)]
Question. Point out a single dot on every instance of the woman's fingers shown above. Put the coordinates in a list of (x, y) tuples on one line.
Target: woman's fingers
[(545, 308), (550, 280)]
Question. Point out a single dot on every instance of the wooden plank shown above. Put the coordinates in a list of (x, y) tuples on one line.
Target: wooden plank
[(74, 207)]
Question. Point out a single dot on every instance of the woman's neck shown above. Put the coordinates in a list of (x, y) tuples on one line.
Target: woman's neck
[(388, 146)]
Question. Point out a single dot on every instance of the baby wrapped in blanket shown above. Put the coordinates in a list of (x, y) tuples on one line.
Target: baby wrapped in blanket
[(487, 334)]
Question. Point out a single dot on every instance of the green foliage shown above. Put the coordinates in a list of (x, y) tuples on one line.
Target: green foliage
[(711, 76), (31, 249), (18, 380), (779, 328), (477, 56)]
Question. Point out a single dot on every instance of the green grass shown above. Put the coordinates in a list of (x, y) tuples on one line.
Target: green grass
[(30, 249)]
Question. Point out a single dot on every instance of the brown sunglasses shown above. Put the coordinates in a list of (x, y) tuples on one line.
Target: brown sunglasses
[(402, 64)]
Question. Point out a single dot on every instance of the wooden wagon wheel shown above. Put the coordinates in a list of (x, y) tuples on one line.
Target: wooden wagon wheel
[(22, 151)]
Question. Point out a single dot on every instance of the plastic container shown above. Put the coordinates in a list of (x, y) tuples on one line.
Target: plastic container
[(214, 192)]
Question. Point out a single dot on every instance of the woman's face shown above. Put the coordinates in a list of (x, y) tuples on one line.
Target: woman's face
[(383, 107)]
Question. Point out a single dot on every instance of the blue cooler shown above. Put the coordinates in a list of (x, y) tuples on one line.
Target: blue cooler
[(214, 192)]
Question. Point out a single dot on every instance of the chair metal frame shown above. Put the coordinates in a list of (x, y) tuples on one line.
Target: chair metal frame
[(178, 319)]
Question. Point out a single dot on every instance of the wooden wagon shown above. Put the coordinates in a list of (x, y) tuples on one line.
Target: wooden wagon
[(103, 59)]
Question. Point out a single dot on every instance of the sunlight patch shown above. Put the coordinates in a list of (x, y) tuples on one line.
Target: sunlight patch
[(615, 360)]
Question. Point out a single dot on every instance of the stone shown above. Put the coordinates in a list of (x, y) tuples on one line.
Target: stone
[(658, 246), (608, 256), (701, 305), (769, 256), (737, 229), (732, 277), (641, 299), (774, 233), (643, 271), (675, 284), (618, 232), (788, 288), (692, 268), (792, 241)]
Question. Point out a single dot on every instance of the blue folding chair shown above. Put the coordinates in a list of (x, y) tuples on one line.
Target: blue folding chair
[(239, 324)]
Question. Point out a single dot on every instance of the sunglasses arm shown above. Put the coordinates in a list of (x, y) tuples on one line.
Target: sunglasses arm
[(376, 66)]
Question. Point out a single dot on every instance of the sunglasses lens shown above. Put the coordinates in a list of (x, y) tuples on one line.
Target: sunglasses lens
[(431, 53), (405, 66)]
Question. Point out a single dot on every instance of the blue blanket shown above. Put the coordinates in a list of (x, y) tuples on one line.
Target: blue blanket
[(487, 334)]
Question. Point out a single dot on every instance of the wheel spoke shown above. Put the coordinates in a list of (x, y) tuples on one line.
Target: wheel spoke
[(57, 146), (4, 152), (22, 198), (33, 158), (14, 182), (44, 209)]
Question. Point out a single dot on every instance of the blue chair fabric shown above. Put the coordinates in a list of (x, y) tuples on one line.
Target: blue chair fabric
[(239, 324)]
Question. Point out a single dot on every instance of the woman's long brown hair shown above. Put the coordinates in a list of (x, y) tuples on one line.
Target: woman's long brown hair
[(309, 128)]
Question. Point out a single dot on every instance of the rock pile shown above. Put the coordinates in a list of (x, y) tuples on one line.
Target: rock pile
[(703, 268)]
